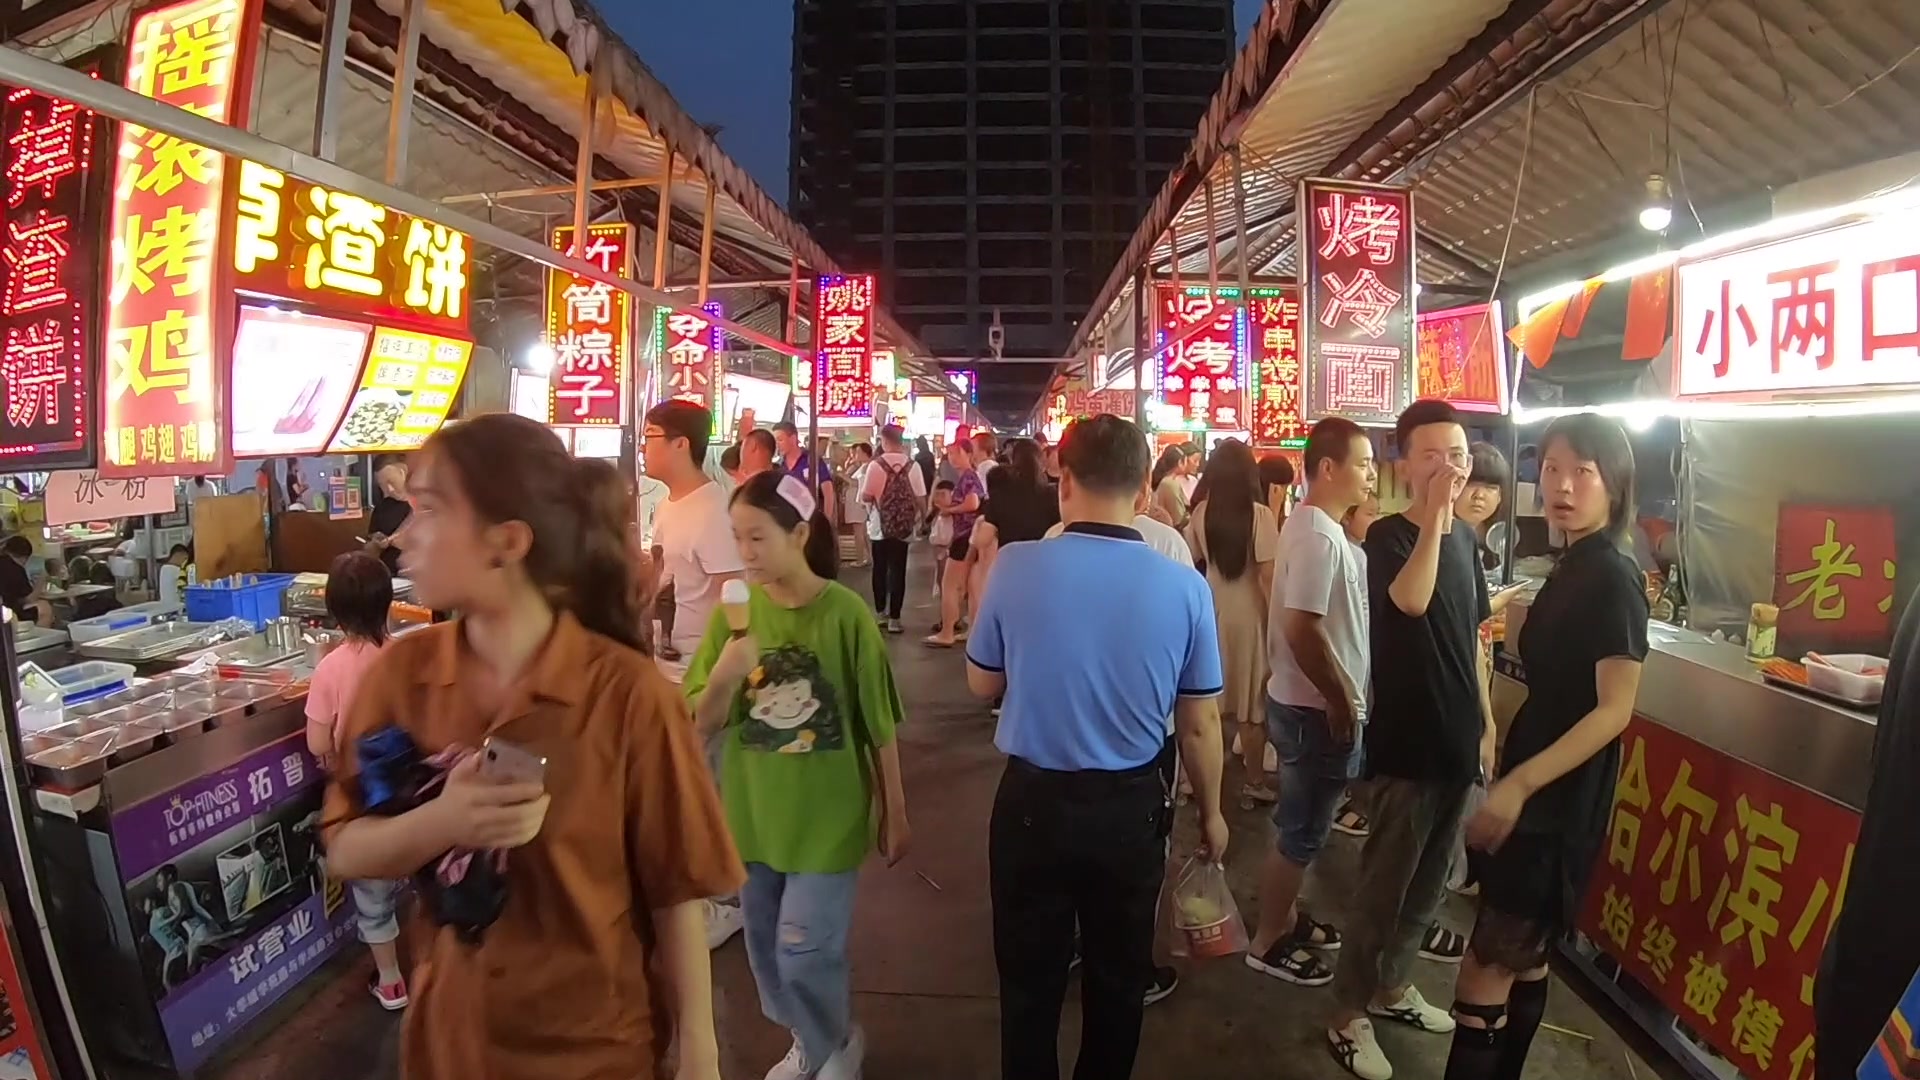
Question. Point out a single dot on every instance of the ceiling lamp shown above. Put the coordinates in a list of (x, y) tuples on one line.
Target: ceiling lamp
[(1657, 213)]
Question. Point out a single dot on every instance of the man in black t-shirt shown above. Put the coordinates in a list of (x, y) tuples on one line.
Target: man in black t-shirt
[(16, 588), (1429, 736), (389, 513)]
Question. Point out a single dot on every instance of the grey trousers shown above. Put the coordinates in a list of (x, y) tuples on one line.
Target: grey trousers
[(1403, 876)]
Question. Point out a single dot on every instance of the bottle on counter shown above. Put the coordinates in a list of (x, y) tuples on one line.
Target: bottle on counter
[(1763, 623)]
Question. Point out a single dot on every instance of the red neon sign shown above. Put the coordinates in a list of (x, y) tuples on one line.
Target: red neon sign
[(692, 347), (1357, 292), (1277, 417), (1460, 358), (1203, 376), (590, 326), (843, 331), (162, 411), (47, 316)]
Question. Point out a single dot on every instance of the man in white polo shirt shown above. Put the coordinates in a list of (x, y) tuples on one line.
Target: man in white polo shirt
[(1317, 642)]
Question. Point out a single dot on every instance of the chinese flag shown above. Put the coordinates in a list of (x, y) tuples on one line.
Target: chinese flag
[(1536, 336), (1649, 297), (1577, 306)]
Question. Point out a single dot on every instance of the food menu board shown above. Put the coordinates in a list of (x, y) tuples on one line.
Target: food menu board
[(409, 386), (293, 375)]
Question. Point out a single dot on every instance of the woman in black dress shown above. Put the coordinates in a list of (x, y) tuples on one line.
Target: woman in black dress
[(1545, 818)]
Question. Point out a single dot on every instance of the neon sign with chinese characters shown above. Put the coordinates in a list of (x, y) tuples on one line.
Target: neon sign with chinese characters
[(162, 408), (301, 241), (1205, 375), (1357, 299), (1277, 419), (590, 327), (690, 354), (1460, 358), (50, 251), (1819, 313), (843, 337)]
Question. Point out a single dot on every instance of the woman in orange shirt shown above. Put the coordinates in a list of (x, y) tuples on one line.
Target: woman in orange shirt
[(609, 855)]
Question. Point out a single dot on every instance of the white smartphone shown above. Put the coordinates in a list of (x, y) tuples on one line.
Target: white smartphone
[(504, 761)]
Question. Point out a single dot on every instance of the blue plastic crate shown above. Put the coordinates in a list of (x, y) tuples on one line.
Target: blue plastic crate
[(253, 597)]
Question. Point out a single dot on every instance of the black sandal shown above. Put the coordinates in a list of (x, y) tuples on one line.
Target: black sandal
[(1442, 945), (1351, 821), (1289, 961)]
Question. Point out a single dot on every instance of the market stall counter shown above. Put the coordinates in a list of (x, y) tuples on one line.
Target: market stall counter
[(1733, 826), (186, 894)]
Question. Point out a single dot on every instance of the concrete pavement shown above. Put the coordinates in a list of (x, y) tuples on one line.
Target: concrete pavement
[(923, 967)]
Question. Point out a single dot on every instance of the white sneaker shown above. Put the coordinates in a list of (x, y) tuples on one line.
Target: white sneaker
[(793, 1066), (1413, 1010), (844, 1063), (723, 921), (1355, 1048)]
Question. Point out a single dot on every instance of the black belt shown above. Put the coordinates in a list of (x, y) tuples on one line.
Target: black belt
[(1084, 781)]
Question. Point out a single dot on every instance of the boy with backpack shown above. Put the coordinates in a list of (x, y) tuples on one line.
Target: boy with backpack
[(895, 493)]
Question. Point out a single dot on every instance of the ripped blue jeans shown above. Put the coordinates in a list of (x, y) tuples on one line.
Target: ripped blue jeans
[(797, 946)]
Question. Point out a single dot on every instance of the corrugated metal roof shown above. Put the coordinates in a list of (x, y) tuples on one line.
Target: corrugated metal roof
[(1330, 74), (1763, 93)]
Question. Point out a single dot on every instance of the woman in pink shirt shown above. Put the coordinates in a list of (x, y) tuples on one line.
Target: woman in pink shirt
[(359, 592)]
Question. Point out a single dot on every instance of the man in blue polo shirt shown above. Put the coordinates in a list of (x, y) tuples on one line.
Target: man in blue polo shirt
[(1094, 638)]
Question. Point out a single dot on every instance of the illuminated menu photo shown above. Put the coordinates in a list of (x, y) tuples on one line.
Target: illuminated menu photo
[(162, 409), (1357, 299), (590, 328), (843, 344), (1202, 371), (410, 384), (56, 171)]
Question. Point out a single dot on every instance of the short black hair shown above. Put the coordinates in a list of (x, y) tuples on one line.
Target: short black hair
[(1489, 465), (730, 457), (180, 549), (943, 485), (785, 427), (17, 546), (1420, 414), (859, 446), (893, 433), (1276, 471), (1330, 440), (1601, 440), (761, 438), (1106, 455), (682, 419), (359, 592)]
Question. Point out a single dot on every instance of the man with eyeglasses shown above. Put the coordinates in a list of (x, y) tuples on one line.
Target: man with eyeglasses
[(1429, 738), (694, 549)]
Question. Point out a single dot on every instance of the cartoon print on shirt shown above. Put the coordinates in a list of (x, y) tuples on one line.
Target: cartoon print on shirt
[(791, 708)]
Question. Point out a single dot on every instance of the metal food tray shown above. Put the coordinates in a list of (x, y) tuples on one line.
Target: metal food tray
[(248, 653), (151, 642)]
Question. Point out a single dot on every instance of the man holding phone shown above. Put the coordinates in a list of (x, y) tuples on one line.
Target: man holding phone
[(1429, 740)]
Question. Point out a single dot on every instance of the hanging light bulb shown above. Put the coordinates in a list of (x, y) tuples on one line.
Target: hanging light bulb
[(540, 358), (1657, 214)]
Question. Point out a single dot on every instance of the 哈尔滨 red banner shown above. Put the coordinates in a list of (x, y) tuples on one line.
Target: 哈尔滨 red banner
[(1715, 890)]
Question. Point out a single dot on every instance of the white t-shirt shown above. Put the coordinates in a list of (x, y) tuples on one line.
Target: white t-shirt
[(874, 484), (1162, 538), (1320, 571), (695, 538)]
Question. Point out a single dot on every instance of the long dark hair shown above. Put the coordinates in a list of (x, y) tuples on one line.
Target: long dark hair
[(1233, 493), (1601, 440), (578, 509), (359, 592), (1025, 463), (1170, 459), (762, 492)]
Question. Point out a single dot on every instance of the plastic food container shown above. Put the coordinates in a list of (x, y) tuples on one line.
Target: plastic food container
[(90, 679), (1840, 675)]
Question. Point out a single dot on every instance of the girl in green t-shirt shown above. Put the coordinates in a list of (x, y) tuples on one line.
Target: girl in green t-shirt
[(797, 678)]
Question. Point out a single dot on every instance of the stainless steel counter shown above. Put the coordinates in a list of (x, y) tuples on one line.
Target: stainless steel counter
[(1707, 691)]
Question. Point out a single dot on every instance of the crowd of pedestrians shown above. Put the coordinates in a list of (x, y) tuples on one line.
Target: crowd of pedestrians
[(713, 720)]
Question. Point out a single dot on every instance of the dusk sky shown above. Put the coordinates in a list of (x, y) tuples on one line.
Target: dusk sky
[(729, 63)]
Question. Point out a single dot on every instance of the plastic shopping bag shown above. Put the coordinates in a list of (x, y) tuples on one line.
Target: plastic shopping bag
[(1205, 913)]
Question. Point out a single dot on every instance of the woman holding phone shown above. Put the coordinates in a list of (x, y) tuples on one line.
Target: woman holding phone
[(530, 545)]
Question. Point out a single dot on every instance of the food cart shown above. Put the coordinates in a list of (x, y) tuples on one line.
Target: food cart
[(1738, 801)]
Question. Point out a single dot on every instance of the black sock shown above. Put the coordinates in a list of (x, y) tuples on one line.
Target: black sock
[(1525, 1006), (1476, 1053)]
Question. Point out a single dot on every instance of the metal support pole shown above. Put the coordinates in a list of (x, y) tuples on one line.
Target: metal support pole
[(1240, 236), (623, 184), (663, 220), (583, 168), (1213, 245), (706, 243), (400, 110), (1140, 347), (333, 76), (1173, 245)]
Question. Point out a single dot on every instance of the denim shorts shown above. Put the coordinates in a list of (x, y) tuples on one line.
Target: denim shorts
[(1314, 771), (375, 904)]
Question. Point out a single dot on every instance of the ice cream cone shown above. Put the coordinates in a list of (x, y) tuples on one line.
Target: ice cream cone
[(733, 600)]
